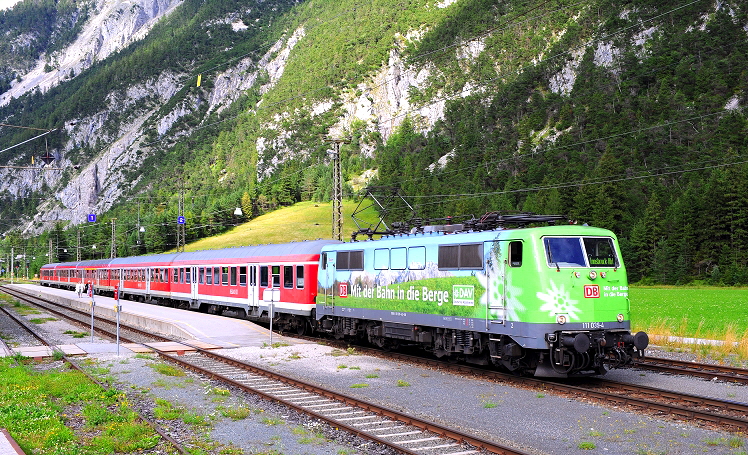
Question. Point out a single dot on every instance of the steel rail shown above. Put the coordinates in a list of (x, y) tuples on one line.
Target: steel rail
[(702, 370), (406, 419), (67, 360), (617, 399), (422, 424)]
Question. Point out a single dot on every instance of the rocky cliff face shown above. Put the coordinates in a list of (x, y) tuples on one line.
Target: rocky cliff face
[(112, 26)]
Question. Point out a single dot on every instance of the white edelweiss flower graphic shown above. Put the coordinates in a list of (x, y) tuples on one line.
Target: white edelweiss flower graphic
[(493, 282), (558, 301)]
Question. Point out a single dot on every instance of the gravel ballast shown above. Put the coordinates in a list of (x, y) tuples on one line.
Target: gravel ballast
[(534, 420)]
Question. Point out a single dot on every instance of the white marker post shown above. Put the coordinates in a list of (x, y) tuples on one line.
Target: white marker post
[(117, 311), (93, 304)]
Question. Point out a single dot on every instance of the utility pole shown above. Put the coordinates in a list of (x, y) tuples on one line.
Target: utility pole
[(337, 189), (113, 250), (78, 248), (181, 240), (12, 264), (51, 252)]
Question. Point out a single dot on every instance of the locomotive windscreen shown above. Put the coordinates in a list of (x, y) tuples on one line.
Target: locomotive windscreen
[(580, 252)]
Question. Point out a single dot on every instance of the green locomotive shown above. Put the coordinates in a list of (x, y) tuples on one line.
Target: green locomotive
[(549, 300)]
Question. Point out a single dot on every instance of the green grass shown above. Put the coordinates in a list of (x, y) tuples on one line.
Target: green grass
[(41, 320), (693, 312), (168, 370), (238, 413), (34, 411), (312, 220), (689, 311)]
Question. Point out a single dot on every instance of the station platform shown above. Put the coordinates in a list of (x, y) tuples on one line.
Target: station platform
[(191, 326), (8, 446)]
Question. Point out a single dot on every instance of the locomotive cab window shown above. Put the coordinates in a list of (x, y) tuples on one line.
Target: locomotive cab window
[(580, 252), (600, 252), (515, 254)]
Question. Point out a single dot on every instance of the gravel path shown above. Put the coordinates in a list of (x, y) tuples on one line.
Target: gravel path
[(537, 421)]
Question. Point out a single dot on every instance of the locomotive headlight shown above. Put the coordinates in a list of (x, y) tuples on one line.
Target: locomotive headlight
[(619, 317), (561, 319), (593, 274)]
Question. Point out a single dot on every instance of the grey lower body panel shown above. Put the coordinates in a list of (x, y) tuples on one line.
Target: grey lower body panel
[(528, 335)]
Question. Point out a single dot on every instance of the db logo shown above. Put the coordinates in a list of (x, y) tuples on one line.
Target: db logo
[(591, 291), (343, 290)]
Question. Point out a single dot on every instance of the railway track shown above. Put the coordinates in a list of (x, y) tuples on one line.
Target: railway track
[(337, 409), (401, 432), (701, 370), (726, 413), (33, 332)]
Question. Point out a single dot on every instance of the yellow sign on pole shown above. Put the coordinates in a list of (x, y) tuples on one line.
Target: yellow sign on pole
[(199, 78)]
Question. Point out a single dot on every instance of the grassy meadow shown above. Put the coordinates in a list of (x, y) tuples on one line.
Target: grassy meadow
[(302, 221), (712, 313)]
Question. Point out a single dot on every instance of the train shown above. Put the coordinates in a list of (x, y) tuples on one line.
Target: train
[(526, 293)]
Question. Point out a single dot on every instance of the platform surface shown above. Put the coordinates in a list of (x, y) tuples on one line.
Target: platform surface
[(8, 445), (216, 330)]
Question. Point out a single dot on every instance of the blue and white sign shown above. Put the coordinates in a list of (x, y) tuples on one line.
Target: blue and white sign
[(91, 217), (180, 220)]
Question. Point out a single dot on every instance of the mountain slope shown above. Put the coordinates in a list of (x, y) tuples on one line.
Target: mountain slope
[(629, 116)]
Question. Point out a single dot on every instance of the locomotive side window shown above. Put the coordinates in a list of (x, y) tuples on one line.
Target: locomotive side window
[(398, 258), (264, 276), (202, 275), (515, 254), (188, 275), (288, 276), (381, 259), (225, 276), (209, 275), (233, 276), (564, 252), (181, 275), (324, 261), (417, 258), (300, 277), (243, 275), (342, 260), (467, 256), (357, 260), (175, 276), (350, 260), (600, 252)]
